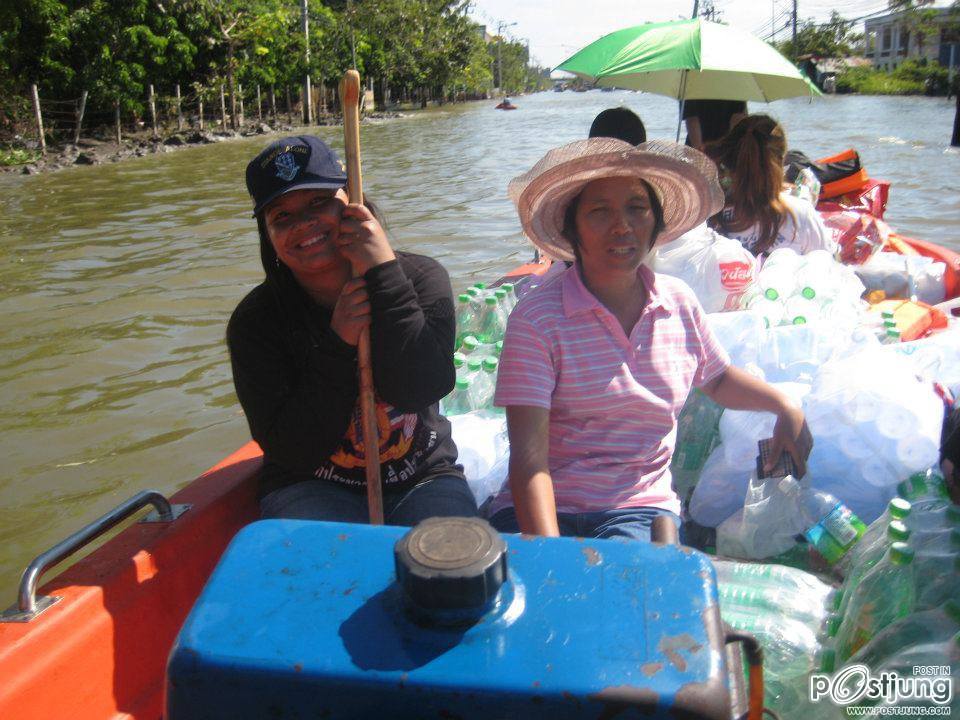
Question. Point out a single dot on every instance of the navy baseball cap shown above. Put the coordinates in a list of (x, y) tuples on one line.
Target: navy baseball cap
[(293, 163)]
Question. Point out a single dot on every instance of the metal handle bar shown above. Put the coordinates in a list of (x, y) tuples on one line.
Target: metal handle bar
[(27, 602)]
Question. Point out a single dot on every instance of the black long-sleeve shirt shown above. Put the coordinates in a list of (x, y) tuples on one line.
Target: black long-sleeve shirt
[(297, 380)]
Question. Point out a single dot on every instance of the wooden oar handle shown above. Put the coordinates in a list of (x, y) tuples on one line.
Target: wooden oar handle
[(350, 101)]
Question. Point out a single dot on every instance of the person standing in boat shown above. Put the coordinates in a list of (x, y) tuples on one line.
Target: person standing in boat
[(330, 273), (757, 211), (709, 120), (598, 361)]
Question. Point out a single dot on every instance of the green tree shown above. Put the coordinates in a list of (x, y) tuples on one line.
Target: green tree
[(835, 38)]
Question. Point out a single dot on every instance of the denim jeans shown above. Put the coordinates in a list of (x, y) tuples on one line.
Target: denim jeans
[(628, 524), (443, 496)]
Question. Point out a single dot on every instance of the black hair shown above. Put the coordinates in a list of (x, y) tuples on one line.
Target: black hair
[(569, 230), (621, 123)]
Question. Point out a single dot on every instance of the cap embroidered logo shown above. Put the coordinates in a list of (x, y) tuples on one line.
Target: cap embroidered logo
[(287, 167)]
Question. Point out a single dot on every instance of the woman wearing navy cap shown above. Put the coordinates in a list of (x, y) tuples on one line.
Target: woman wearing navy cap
[(330, 273)]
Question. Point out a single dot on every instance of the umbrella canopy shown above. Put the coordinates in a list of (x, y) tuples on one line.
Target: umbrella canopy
[(692, 60)]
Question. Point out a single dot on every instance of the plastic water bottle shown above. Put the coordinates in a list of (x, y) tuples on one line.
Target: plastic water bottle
[(459, 363), (466, 318), (897, 509), (777, 282), (487, 383), (885, 594), (459, 401), (498, 347), (511, 296), (698, 433), (833, 527), (921, 627), (492, 325), (891, 336), (469, 345), (772, 575), (772, 600), (806, 186), (870, 556), (926, 485), (941, 589), (944, 652), (771, 310), (798, 310)]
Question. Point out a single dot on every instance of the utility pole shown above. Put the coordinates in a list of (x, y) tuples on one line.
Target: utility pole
[(500, 26), (696, 8), (794, 29), (307, 101)]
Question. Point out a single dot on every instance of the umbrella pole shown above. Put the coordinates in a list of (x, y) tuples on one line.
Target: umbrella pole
[(682, 99)]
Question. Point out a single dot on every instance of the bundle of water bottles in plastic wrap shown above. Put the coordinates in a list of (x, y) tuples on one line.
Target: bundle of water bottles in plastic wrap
[(478, 427), (890, 603)]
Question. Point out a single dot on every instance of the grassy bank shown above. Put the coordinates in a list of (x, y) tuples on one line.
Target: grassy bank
[(912, 77)]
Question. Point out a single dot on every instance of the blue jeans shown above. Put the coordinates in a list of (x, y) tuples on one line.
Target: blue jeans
[(443, 496), (628, 524)]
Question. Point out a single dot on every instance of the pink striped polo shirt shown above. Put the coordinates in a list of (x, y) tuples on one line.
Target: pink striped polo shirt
[(613, 399)]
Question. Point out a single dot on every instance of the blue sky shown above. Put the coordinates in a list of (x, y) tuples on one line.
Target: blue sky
[(558, 28)]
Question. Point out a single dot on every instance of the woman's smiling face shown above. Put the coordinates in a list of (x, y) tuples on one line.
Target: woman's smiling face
[(615, 225), (303, 225)]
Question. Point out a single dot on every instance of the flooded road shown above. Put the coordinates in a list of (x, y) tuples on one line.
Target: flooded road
[(116, 281)]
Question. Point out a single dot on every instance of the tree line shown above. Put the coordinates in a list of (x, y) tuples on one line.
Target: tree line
[(408, 50)]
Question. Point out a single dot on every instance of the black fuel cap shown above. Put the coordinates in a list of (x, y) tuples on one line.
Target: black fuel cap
[(451, 563)]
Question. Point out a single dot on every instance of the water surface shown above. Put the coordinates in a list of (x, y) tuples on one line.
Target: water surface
[(116, 281)]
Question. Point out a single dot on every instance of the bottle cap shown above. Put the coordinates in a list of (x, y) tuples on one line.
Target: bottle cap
[(809, 293), (462, 383), (459, 359), (473, 292), (490, 364), (480, 285), (890, 324), (886, 314), (508, 287), (470, 343), (771, 294), (898, 508), (473, 364), (898, 532), (463, 298), (799, 320), (893, 334), (500, 293), (451, 563), (490, 300), (901, 553)]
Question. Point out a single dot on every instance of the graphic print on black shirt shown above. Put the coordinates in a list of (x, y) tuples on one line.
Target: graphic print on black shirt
[(404, 440)]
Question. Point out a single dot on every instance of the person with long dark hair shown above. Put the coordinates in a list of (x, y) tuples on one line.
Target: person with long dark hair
[(757, 211), (330, 274)]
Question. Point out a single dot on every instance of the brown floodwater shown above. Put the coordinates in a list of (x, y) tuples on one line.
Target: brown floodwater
[(116, 281)]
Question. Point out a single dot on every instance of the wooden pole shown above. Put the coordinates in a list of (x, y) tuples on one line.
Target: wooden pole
[(289, 106), (273, 105), (200, 111), (116, 117), (179, 108), (350, 101), (223, 109), (153, 110), (259, 105), (240, 104), (80, 111), (39, 117)]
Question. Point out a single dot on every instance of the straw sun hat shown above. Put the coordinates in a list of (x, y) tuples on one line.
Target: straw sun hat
[(684, 179)]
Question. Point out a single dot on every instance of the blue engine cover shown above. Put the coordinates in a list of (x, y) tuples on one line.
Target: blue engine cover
[(304, 620)]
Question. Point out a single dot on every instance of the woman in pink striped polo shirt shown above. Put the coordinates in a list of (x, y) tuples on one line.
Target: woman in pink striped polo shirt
[(598, 361)]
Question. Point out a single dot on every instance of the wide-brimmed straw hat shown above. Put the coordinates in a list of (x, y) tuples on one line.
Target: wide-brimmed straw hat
[(684, 179)]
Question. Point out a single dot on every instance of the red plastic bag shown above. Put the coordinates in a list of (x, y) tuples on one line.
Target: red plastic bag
[(858, 235)]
